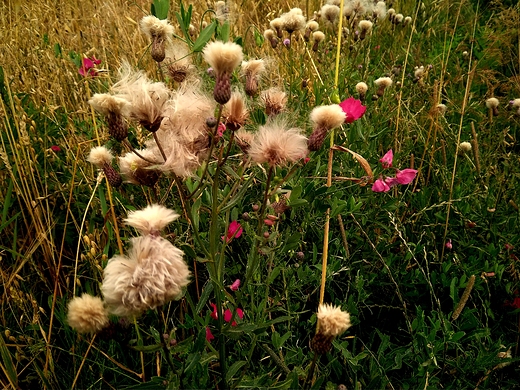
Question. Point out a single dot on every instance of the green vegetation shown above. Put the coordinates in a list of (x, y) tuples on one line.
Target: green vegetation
[(428, 269)]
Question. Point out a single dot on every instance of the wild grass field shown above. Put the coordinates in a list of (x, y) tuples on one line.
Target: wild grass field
[(260, 194)]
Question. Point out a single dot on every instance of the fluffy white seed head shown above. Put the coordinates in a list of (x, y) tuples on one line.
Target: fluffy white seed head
[(152, 219), (383, 82), (330, 13), (465, 146), (223, 57), (328, 117), (332, 320), (492, 103), (99, 156), (153, 27), (87, 314), (365, 26), (318, 36), (361, 87), (106, 104), (276, 145)]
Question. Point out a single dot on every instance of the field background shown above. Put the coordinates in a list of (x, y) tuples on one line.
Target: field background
[(389, 265)]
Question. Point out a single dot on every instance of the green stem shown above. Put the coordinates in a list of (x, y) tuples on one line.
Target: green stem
[(252, 264)]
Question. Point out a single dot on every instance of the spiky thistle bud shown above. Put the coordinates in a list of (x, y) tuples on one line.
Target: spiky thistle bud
[(235, 112), (332, 322), (102, 158), (113, 108), (252, 70), (274, 101), (492, 104), (365, 27), (270, 35), (311, 26), (276, 25), (317, 36), (159, 31), (382, 83), (223, 58), (325, 118), (362, 89)]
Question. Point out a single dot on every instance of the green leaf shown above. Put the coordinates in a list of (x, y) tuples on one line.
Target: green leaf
[(7, 365), (259, 38), (160, 9), (204, 37), (191, 362), (223, 32), (233, 369), (195, 209)]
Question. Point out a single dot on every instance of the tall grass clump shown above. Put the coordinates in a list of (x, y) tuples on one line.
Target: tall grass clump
[(260, 194)]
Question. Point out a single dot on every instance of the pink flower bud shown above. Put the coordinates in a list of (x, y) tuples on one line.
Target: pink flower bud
[(268, 222), (380, 186), (235, 286), (448, 244)]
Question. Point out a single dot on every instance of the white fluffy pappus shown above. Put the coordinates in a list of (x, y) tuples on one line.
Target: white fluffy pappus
[(152, 219), (153, 274)]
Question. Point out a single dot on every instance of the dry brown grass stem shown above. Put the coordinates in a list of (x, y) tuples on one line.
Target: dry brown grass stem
[(83, 362)]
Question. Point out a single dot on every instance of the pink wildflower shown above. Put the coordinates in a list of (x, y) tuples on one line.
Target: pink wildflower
[(235, 286), (214, 313), (380, 185), (88, 67), (209, 335), (228, 315), (234, 231), (386, 160), (220, 129), (55, 148), (405, 176), (353, 109), (448, 244)]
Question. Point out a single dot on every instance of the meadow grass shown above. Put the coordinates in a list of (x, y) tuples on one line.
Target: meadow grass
[(428, 271)]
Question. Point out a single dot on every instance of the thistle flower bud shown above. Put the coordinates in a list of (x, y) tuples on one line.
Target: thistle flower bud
[(223, 58), (113, 108), (324, 118), (252, 70), (293, 20), (492, 104), (332, 322), (271, 37), (235, 112), (362, 89), (330, 13), (311, 26), (317, 36), (365, 27), (382, 83), (274, 101), (276, 25), (159, 31), (113, 176)]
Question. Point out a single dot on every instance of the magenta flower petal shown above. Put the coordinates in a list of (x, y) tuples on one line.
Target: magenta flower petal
[(353, 109), (406, 176), (235, 286), (55, 148), (209, 335), (214, 313), (234, 231), (387, 159), (391, 181), (240, 313), (380, 186), (227, 315)]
